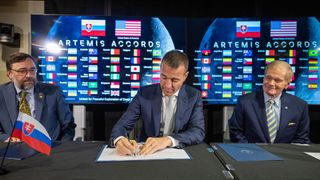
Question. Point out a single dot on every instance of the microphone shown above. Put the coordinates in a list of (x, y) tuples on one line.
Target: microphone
[(3, 170)]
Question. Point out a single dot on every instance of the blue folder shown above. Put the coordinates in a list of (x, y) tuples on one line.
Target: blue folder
[(248, 152)]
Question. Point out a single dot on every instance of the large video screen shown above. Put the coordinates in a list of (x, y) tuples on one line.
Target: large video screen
[(230, 55), (102, 59)]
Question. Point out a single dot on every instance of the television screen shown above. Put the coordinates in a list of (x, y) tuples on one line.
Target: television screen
[(230, 54), (102, 59)]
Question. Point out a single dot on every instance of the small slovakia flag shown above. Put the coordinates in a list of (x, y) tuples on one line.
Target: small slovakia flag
[(31, 131)]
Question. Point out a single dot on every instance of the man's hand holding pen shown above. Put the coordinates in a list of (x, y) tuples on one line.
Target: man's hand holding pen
[(126, 147)]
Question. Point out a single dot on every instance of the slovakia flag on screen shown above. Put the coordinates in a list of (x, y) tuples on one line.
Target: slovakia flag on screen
[(31, 131), (248, 29), (90, 27)]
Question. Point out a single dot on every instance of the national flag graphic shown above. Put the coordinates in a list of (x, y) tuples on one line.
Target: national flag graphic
[(227, 77), (128, 28), (247, 77), (205, 69), (115, 60), (313, 77), (155, 69), (248, 29), (72, 67), (204, 94), (205, 77), (136, 52), (72, 51), (292, 53), (93, 76), (270, 52), (93, 60), (226, 86), (246, 86), (114, 93), (313, 52), (206, 60), (205, 86), (227, 53), (226, 94), (156, 52), (114, 68), (92, 92), (135, 68), (72, 76), (93, 85), (247, 61), (313, 61), (115, 51), (155, 77), (283, 29), (312, 86), (114, 85), (226, 61), (72, 84), (206, 52), (134, 77), (50, 58), (226, 69), (247, 53), (291, 86), (72, 93), (156, 61), (114, 76), (133, 93), (269, 60), (135, 60), (93, 51), (135, 85), (291, 61), (51, 67), (313, 68), (92, 27), (72, 59), (32, 132), (93, 68), (247, 69), (50, 75)]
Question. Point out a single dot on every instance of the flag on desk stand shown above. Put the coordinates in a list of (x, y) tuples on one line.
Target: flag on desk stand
[(31, 131)]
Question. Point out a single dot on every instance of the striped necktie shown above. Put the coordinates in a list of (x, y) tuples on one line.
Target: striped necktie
[(24, 105), (272, 120)]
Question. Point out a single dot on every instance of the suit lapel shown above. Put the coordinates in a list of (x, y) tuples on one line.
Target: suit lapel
[(182, 104), (11, 105), (284, 120), (39, 98), (260, 110)]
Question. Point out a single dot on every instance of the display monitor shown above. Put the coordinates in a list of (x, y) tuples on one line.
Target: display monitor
[(229, 58), (103, 59)]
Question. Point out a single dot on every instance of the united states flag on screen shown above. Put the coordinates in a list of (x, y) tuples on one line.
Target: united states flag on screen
[(283, 29), (128, 28)]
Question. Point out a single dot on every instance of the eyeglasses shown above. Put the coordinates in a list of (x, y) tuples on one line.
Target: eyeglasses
[(24, 72)]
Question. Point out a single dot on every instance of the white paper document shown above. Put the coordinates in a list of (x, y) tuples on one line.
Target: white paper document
[(110, 154), (314, 154)]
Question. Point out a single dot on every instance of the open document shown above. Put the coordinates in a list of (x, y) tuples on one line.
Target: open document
[(110, 154)]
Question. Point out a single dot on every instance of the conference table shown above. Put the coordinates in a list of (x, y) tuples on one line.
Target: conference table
[(77, 160)]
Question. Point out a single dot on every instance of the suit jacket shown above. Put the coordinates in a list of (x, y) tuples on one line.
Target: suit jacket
[(248, 123), (50, 109), (189, 123)]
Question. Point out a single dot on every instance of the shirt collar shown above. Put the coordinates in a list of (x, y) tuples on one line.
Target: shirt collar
[(175, 94), (30, 91), (276, 99)]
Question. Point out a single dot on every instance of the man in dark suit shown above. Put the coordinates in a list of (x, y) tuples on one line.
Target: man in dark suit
[(251, 120), (46, 101), (164, 124)]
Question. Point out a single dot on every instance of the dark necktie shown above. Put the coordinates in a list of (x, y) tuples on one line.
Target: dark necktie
[(24, 105), (272, 120)]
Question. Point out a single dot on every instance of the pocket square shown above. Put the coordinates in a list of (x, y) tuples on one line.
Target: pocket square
[(291, 123)]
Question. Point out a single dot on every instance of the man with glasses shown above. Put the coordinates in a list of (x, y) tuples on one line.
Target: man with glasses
[(271, 115), (171, 112), (45, 101)]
